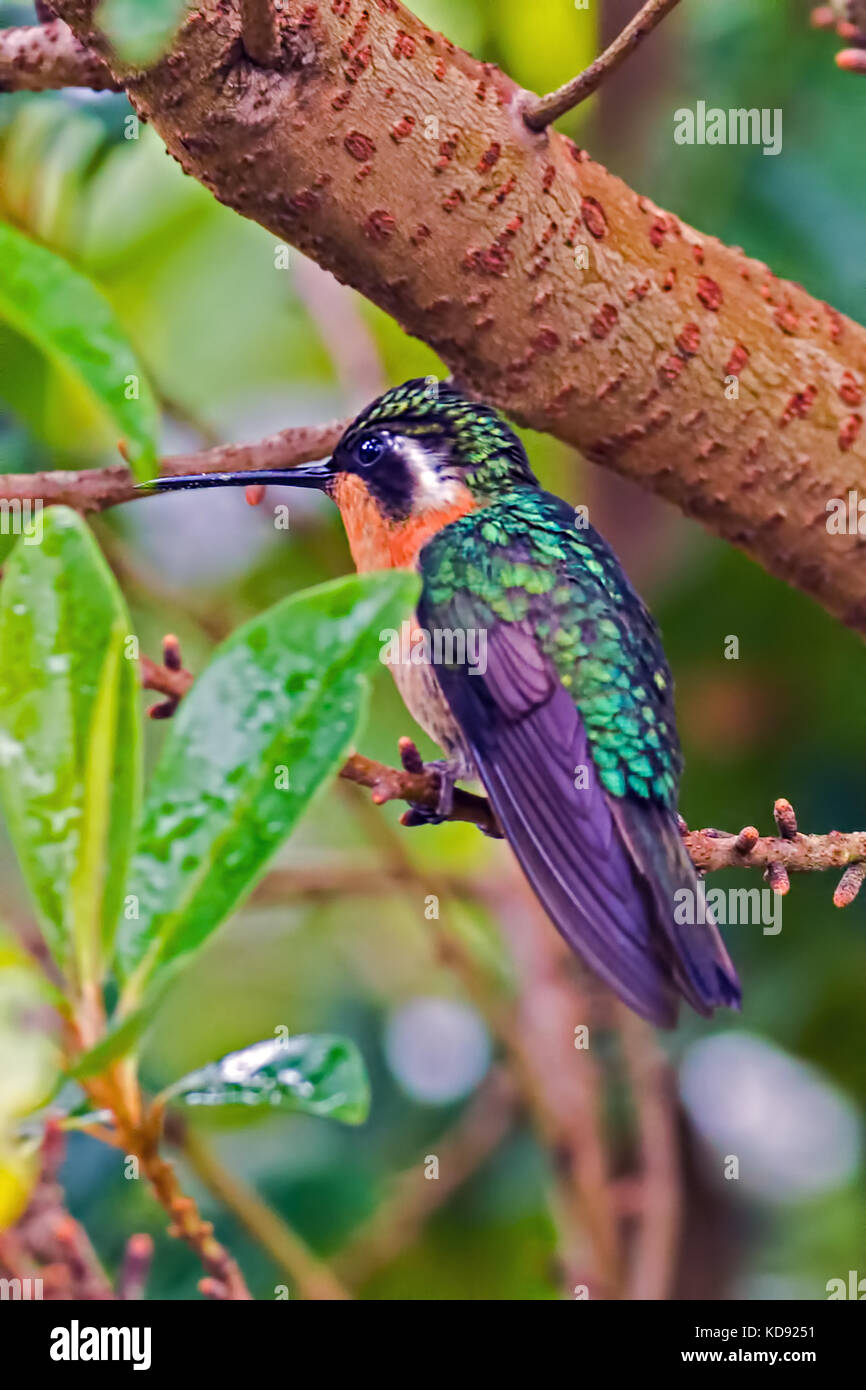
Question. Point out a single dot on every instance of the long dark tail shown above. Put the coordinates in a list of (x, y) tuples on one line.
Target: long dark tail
[(699, 962)]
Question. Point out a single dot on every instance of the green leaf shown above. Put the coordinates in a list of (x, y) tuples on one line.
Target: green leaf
[(271, 718), (69, 735), (322, 1076), (140, 30), (73, 325)]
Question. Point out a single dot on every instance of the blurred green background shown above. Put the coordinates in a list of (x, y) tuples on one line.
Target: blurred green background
[(235, 349)]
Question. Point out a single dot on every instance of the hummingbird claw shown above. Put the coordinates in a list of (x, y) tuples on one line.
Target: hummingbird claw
[(447, 775)]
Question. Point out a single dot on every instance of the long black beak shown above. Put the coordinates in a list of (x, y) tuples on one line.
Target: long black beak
[(318, 475)]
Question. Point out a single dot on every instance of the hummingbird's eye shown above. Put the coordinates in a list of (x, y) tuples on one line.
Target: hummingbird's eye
[(369, 450)]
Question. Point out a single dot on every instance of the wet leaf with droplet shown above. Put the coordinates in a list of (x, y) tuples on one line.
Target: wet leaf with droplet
[(271, 718), (322, 1076)]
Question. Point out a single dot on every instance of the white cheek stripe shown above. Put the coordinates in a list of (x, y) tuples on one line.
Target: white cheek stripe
[(431, 488)]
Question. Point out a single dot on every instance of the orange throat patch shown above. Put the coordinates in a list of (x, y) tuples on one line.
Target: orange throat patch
[(379, 544)]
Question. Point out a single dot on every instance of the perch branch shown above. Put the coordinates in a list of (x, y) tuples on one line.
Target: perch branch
[(40, 57), (710, 850), (417, 787), (544, 110), (96, 489), (777, 855)]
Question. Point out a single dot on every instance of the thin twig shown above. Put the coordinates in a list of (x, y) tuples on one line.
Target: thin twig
[(653, 1253), (415, 1197), (312, 1278), (534, 1020), (418, 788), (323, 881), (47, 1243), (137, 1259), (260, 30), (138, 1129), (170, 679), (562, 1084), (95, 489), (223, 1276), (540, 113), (710, 850)]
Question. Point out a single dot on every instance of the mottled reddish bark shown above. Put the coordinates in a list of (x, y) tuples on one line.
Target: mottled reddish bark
[(37, 58), (405, 167)]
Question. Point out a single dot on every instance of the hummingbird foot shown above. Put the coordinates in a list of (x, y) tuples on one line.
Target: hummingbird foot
[(446, 773)]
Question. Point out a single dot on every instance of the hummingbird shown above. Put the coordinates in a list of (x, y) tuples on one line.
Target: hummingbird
[(568, 723)]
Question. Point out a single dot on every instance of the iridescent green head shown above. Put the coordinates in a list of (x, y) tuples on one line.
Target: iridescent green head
[(418, 440)]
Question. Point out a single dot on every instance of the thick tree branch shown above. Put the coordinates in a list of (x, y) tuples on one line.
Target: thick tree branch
[(543, 111), (550, 288), (43, 56), (95, 489)]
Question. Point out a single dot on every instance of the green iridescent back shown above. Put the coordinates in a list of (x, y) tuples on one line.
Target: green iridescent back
[(526, 559)]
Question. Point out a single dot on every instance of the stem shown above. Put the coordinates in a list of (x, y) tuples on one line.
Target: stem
[(137, 1132), (141, 1141), (312, 1278), (652, 1266), (544, 110), (261, 32)]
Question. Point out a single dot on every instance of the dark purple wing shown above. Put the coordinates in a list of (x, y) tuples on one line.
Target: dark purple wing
[(605, 870)]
